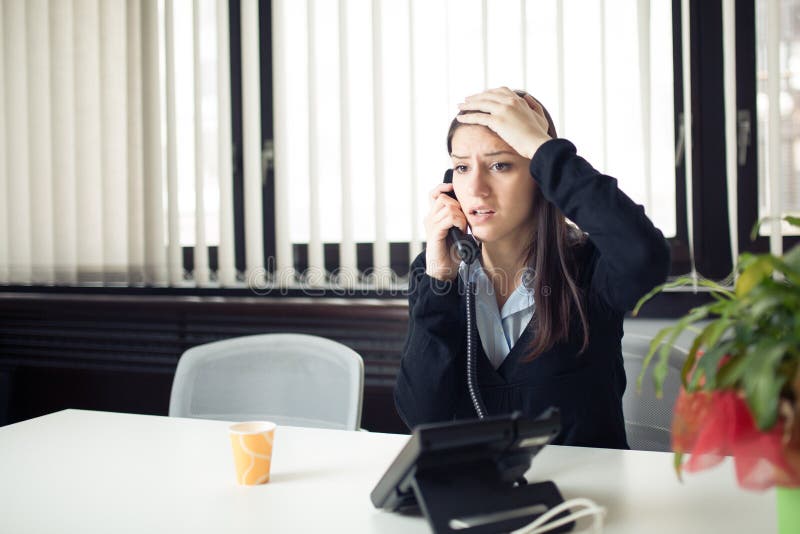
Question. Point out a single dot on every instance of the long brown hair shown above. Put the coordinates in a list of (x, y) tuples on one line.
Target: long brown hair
[(551, 259)]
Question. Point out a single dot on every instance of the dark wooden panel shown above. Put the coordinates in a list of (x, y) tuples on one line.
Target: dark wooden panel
[(41, 390), (5, 393), (119, 352)]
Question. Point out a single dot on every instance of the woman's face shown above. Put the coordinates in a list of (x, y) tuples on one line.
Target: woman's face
[(494, 186)]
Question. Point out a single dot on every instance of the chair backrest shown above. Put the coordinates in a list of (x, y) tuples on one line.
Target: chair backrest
[(290, 379), (648, 419)]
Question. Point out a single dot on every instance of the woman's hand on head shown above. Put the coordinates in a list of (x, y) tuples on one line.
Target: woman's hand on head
[(445, 212), (519, 121)]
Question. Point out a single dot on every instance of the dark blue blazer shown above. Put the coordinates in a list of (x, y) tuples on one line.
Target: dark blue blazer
[(624, 257)]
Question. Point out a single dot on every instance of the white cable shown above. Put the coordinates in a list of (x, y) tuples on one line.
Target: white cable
[(543, 523)]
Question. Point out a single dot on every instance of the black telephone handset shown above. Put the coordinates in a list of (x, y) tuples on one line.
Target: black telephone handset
[(467, 248)]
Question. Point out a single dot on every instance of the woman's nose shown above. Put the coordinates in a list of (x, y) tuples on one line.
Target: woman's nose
[(477, 184)]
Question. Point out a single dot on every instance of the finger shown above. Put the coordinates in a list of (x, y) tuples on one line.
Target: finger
[(439, 189), (456, 212), (446, 199), (502, 90), (440, 216), (482, 119), (486, 104), (532, 103), (439, 219), (442, 221), (503, 96), (450, 219), (498, 93), (495, 104), (435, 196), (445, 202), (448, 205), (535, 105), (459, 221)]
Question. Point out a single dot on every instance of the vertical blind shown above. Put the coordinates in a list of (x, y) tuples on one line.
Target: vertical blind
[(115, 125), (366, 91), (94, 165), (777, 100), (778, 88)]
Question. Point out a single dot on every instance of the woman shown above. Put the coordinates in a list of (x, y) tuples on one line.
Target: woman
[(550, 297)]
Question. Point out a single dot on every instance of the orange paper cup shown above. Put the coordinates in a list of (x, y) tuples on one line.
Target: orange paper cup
[(252, 451)]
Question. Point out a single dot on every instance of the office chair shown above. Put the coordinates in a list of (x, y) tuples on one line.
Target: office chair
[(289, 379), (648, 419)]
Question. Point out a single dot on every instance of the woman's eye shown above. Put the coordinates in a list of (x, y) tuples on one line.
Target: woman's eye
[(500, 166), (460, 169)]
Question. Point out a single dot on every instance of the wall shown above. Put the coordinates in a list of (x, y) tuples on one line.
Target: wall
[(119, 352)]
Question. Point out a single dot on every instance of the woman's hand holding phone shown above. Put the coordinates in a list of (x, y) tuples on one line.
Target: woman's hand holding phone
[(445, 212)]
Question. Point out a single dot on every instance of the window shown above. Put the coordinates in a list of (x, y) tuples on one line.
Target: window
[(357, 98), (778, 33), (183, 75), (366, 92)]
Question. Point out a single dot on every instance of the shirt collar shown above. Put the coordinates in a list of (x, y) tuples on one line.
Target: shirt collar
[(521, 299)]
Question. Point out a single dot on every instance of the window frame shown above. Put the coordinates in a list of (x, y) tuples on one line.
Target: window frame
[(711, 234), (400, 260), (746, 91)]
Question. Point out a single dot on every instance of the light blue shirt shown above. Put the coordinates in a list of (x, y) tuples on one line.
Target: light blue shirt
[(499, 329)]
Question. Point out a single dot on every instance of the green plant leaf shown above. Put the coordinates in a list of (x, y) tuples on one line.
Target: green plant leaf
[(792, 256), (691, 358), (716, 295), (660, 372), (765, 304), (684, 281), (721, 307), (763, 398), (708, 365), (752, 275), (707, 339), (658, 289), (731, 372), (794, 221), (744, 261), (654, 344), (677, 463), (661, 369), (716, 329), (777, 264), (757, 226), (771, 310), (719, 289), (761, 383)]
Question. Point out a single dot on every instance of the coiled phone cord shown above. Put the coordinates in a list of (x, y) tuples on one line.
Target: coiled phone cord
[(472, 375)]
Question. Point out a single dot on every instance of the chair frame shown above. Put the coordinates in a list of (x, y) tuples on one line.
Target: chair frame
[(192, 361), (677, 356)]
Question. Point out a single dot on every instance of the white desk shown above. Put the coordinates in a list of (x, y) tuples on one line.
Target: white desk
[(79, 471)]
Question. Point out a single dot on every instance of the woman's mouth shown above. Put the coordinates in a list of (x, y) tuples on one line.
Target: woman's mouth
[(480, 215)]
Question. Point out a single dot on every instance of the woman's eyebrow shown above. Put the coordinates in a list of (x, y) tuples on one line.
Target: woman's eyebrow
[(487, 154)]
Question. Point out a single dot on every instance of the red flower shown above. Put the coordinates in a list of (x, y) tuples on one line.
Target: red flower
[(715, 424)]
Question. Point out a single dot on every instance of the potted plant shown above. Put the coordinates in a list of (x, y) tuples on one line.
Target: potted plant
[(741, 377)]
